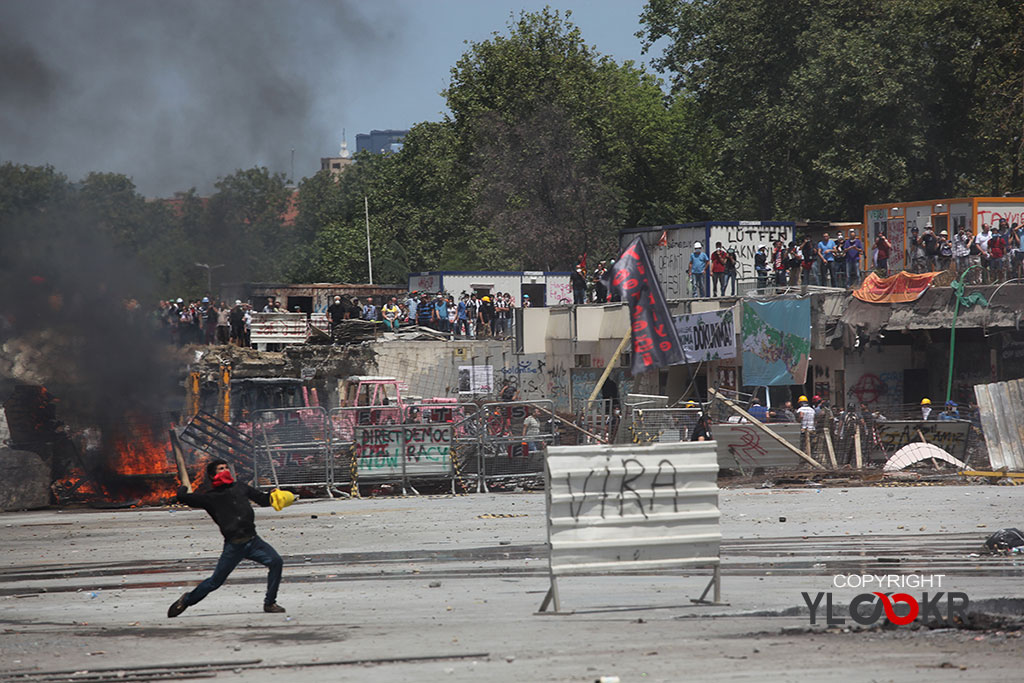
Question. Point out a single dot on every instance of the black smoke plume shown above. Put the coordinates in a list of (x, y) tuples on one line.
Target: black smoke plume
[(178, 93)]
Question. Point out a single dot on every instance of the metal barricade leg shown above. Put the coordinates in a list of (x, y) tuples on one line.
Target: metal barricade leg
[(716, 582), (551, 596)]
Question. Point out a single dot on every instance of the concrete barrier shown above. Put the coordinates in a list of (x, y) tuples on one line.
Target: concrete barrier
[(624, 509)]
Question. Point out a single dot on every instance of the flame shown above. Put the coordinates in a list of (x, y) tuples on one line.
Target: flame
[(134, 468), (137, 452)]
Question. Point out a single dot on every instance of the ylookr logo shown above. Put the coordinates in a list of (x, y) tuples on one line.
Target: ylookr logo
[(867, 609)]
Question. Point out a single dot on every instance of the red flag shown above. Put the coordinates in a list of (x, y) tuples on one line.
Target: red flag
[(582, 265)]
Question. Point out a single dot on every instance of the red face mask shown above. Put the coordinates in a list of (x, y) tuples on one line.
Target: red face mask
[(223, 478)]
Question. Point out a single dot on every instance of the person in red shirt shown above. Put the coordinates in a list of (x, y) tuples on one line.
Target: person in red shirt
[(882, 249), (719, 258), (996, 257), (779, 263)]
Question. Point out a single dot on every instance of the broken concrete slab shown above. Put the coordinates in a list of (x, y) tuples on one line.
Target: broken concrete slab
[(24, 480)]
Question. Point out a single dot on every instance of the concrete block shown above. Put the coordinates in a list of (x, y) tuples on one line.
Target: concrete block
[(24, 480)]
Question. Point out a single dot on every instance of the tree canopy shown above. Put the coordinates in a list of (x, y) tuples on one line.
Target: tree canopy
[(818, 108), (770, 109)]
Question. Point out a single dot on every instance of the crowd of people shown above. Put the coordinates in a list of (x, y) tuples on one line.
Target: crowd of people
[(202, 321), (472, 316), (995, 252), (828, 262)]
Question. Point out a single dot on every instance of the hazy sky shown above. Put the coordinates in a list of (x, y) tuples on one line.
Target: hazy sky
[(176, 93)]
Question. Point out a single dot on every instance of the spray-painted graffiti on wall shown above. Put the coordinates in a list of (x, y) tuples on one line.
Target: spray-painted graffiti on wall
[(559, 293), (527, 374), (585, 379)]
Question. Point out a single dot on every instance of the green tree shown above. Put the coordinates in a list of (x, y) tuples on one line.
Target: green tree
[(24, 188), (541, 192), (245, 224), (815, 109), (614, 133)]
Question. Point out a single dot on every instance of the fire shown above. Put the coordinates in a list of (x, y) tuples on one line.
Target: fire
[(138, 452), (141, 464), (130, 465)]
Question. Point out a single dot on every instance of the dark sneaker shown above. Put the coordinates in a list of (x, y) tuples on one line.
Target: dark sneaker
[(177, 607), (274, 608)]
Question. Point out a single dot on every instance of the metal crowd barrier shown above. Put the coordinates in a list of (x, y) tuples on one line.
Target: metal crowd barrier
[(415, 442), (504, 450), (598, 417), (663, 425), (291, 447)]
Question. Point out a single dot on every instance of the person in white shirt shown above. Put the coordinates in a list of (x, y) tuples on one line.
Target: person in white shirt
[(982, 239), (805, 413), (531, 430)]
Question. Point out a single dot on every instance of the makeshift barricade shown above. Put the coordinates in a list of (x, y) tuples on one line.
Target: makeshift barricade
[(626, 509), (291, 447), (404, 444)]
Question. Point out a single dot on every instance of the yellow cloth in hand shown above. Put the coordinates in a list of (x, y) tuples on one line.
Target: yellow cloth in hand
[(281, 499)]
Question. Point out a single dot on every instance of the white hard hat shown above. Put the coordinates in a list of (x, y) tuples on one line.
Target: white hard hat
[(697, 245)]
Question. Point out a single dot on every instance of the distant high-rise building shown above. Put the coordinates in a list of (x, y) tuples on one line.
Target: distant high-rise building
[(380, 141)]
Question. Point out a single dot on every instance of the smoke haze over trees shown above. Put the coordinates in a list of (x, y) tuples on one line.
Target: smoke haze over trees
[(770, 110), (170, 91)]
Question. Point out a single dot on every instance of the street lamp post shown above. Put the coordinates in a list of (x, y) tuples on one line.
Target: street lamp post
[(209, 275)]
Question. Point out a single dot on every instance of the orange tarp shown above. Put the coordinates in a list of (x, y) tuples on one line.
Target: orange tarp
[(895, 289)]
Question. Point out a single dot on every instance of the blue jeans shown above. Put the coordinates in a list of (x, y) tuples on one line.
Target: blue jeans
[(730, 282), (852, 273), (697, 282), (827, 269), (257, 550)]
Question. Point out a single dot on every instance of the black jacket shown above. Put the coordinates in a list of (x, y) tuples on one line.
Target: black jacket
[(229, 507)]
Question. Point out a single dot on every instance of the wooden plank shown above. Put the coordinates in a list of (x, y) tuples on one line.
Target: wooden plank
[(612, 362), (831, 450), (858, 452), (182, 470), (763, 427)]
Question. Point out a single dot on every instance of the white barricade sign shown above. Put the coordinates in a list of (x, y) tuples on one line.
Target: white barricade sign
[(616, 509), (428, 449), (392, 451)]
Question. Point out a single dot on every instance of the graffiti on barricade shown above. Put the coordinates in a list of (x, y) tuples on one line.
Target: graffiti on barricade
[(634, 486), (949, 436), (412, 449)]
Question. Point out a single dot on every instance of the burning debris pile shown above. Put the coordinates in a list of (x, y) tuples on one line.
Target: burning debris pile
[(122, 463), (86, 384)]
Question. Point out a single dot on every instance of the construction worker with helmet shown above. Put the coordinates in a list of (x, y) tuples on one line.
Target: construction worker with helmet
[(696, 269), (926, 409), (805, 413)]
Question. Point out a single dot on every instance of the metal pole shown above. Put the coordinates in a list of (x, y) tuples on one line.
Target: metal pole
[(209, 275), (369, 256), (952, 334)]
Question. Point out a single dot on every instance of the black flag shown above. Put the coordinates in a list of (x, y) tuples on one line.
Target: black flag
[(655, 340)]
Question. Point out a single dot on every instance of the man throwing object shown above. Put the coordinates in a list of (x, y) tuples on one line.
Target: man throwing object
[(228, 504)]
